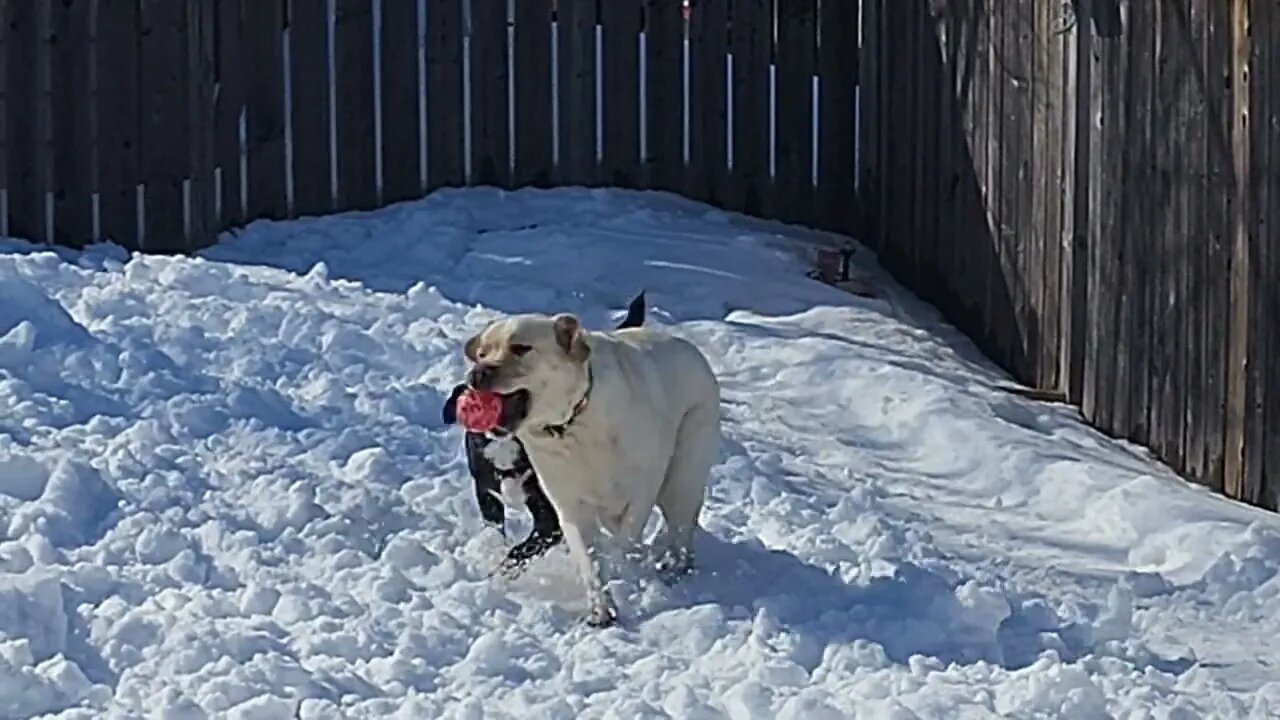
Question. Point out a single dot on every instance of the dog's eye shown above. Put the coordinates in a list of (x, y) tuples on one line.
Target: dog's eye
[(521, 350)]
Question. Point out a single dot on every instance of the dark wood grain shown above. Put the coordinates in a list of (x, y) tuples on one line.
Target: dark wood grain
[(1237, 346), (490, 145), (620, 82), (1141, 238), (533, 98), (749, 41), (311, 114), (164, 125), (228, 106), (708, 101), (1266, 21), (445, 116), (202, 217), (838, 71), (264, 119), (29, 172), (1218, 162), (117, 60), (401, 112), (577, 91), (797, 66), (353, 83), (1261, 237), (74, 172), (664, 89)]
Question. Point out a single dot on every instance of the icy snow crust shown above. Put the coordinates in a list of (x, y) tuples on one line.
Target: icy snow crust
[(225, 492)]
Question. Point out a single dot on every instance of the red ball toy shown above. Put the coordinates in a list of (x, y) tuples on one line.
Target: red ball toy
[(479, 410)]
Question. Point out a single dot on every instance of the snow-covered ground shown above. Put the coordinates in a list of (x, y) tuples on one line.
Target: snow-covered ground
[(225, 491)]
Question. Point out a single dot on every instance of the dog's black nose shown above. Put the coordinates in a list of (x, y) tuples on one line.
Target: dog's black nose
[(482, 375)]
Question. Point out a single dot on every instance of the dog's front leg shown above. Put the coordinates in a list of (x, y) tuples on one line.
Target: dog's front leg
[(581, 530)]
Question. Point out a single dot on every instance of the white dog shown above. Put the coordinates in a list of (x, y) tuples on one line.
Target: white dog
[(614, 423)]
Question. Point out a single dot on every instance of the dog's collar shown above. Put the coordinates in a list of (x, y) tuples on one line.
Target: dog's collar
[(559, 430)]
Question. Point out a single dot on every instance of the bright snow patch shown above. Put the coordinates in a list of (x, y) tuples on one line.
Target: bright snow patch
[(225, 492)]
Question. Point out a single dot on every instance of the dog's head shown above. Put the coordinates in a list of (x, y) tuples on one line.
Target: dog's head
[(537, 363)]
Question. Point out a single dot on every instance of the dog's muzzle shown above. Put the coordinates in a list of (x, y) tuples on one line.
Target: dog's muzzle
[(482, 376)]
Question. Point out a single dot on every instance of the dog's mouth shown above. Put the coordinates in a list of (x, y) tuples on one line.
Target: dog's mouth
[(515, 408)]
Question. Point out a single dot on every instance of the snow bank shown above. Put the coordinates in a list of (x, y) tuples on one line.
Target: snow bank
[(225, 492)]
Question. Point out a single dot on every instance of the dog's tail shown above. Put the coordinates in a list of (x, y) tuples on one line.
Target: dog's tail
[(635, 313)]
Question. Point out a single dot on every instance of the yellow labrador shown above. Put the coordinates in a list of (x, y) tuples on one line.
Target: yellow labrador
[(614, 424)]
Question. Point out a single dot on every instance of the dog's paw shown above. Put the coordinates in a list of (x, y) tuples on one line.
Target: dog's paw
[(674, 565), (602, 616), (512, 568)]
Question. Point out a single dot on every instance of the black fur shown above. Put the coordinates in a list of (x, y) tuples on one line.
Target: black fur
[(546, 532)]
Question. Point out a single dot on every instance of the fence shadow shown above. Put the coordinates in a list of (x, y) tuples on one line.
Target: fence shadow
[(938, 223)]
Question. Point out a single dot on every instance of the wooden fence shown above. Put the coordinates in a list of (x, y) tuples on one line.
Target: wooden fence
[(159, 123), (1091, 189)]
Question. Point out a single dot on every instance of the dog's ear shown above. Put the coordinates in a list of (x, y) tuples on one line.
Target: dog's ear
[(472, 346), (570, 338)]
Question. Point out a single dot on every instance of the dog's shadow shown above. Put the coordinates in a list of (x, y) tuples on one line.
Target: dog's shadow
[(914, 611)]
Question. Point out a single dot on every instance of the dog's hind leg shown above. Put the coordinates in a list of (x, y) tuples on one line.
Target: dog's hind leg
[(684, 488)]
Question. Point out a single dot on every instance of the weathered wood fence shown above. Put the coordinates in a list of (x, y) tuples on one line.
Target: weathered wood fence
[(1091, 190), (159, 123)]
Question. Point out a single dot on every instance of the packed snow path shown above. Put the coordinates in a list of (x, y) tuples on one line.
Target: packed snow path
[(225, 492)]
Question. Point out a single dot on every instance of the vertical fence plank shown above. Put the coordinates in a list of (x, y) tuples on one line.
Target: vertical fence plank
[(533, 131), (838, 70), (576, 20), (1267, 120), (309, 105), (228, 109), (401, 114), (664, 93), (972, 241), (871, 91), (620, 82), (1015, 150), (1052, 185), (749, 40), (1262, 80), (164, 131), (1190, 16), (942, 65), (708, 101), (1238, 323), (998, 301), (921, 237), (25, 100), (797, 49), (445, 142), (264, 134), (1173, 82), (1141, 242), (353, 83), (490, 148), (74, 171), (202, 221), (118, 153), (1217, 70), (1075, 207)]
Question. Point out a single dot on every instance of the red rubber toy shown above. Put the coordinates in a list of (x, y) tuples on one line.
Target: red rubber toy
[(479, 410)]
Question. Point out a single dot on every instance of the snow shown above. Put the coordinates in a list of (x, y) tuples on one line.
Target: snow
[(225, 491)]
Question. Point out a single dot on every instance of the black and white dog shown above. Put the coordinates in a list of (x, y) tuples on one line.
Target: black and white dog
[(504, 476)]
